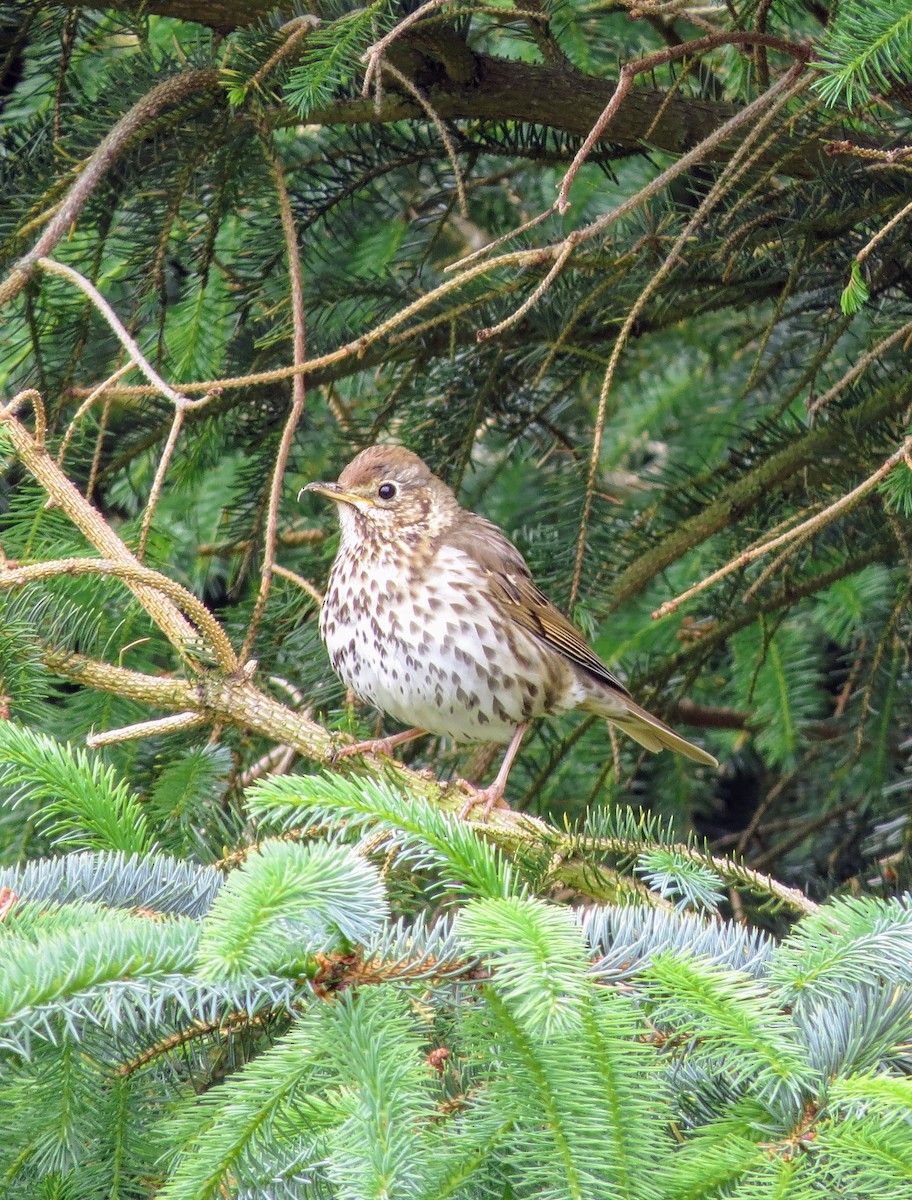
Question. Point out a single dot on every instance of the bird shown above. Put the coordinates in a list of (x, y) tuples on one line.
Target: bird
[(431, 615)]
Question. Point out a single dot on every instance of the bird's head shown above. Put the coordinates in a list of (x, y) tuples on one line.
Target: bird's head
[(389, 493)]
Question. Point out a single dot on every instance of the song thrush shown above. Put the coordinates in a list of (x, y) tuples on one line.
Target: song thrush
[(432, 616)]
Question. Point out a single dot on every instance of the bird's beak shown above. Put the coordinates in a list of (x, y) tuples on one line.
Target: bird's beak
[(332, 491)]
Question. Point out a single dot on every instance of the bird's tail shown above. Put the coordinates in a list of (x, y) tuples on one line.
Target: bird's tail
[(650, 732)]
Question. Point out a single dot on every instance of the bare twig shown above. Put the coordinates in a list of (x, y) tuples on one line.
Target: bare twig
[(660, 58), (120, 332), (300, 581), (298, 397), (373, 55), (276, 761), (143, 729), (882, 233), (533, 298)]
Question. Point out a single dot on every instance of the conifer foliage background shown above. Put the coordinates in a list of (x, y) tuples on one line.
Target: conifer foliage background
[(634, 277)]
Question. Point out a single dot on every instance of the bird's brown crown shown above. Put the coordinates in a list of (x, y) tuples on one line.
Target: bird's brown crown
[(378, 464)]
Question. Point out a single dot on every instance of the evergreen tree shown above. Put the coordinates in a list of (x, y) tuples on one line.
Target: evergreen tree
[(633, 277)]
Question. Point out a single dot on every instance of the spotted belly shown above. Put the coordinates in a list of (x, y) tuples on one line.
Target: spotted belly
[(434, 659)]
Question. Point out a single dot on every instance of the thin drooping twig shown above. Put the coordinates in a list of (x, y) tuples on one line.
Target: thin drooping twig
[(625, 83), (843, 505), (772, 100), (661, 58), (882, 233), (118, 329), (100, 162), (298, 398), (659, 183), (532, 299), (158, 481), (774, 567), (373, 55), (415, 90), (357, 347), (869, 357), (87, 404), (299, 581)]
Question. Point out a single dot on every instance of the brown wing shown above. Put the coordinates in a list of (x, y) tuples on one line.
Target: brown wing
[(515, 592)]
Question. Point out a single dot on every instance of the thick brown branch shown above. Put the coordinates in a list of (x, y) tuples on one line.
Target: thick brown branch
[(508, 90), (223, 15), (570, 101)]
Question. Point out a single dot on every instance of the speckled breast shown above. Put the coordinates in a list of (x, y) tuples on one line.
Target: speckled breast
[(425, 647)]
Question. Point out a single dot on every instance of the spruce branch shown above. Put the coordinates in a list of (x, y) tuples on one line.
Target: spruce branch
[(800, 532), (239, 702), (730, 870), (133, 573), (773, 100), (811, 447)]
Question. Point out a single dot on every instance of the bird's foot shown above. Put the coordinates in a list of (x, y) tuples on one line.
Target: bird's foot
[(489, 798), (384, 745)]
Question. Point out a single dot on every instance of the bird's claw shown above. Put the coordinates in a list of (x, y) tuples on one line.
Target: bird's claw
[(382, 746), (489, 798)]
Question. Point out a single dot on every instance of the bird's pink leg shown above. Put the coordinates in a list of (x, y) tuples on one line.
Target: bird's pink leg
[(385, 745), (492, 797)]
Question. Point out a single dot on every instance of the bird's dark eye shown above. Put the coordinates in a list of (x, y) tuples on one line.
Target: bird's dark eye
[(386, 491)]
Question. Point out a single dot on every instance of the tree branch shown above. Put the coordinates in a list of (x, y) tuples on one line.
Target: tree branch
[(571, 101), (551, 94), (746, 491)]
